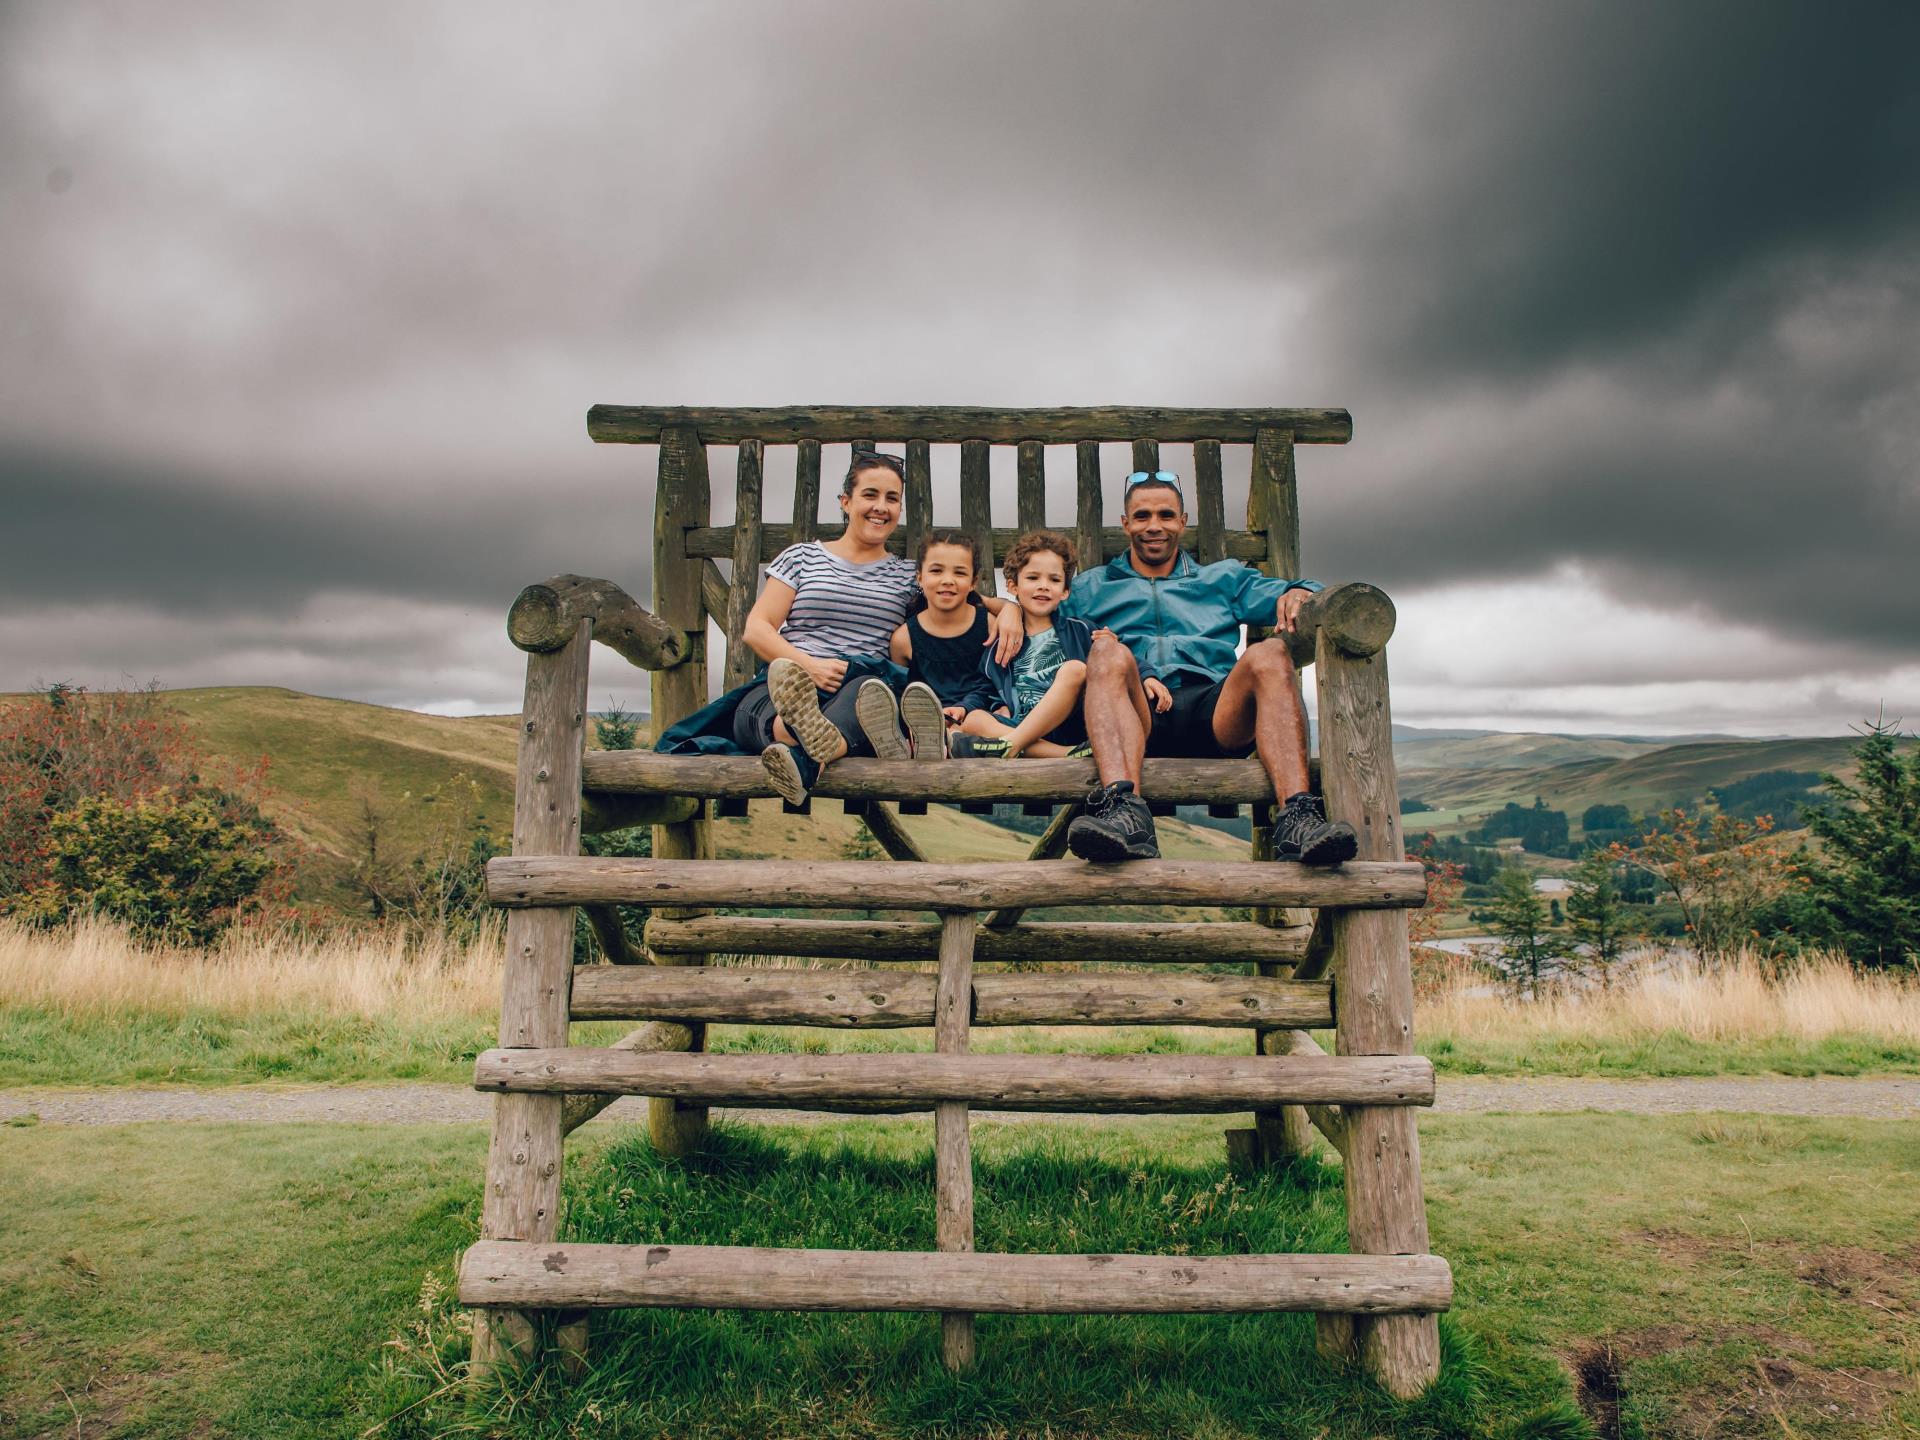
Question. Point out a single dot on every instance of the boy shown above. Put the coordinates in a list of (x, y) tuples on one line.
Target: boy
[(1038, 693), (941, 645)]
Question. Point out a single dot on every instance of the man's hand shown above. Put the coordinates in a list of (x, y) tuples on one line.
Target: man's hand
[(827, 674), (1291, 603), (1160, 697), (1008, 633)]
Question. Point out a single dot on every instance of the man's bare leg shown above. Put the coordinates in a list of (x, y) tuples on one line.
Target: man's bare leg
[(1260, 702), (1118, 720)]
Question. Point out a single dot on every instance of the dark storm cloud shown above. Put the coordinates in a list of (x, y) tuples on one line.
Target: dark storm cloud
[(1623, 287)]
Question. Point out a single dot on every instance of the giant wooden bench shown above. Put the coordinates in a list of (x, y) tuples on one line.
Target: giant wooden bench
[(1324, 947)]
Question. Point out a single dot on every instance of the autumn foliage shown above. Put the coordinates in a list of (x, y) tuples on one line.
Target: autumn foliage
[(107, 806)]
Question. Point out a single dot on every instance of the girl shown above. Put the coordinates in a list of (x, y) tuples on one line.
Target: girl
[(941, 645)]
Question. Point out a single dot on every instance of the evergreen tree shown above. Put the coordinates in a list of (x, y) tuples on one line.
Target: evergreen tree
[(1597, 914), (1529, 950), (617, 728), (1866, 878)]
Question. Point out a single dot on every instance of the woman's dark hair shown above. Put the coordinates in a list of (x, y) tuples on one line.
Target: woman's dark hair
[(948, 537), (870, 460)]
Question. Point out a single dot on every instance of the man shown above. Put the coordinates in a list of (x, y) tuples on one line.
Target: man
[(1167, 678)]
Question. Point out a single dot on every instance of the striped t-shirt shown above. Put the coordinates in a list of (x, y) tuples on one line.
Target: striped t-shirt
[(839, 608)]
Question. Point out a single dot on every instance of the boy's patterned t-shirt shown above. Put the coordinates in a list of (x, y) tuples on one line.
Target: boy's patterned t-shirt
[(1034, 668)]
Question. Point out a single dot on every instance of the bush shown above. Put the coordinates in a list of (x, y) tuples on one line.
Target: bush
[(173, 869)]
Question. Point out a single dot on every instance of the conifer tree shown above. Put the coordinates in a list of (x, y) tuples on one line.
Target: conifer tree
[(1597, 914), (1529, 950), (1866, 876)]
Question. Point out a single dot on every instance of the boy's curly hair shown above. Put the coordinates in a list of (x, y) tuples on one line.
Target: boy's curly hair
[(1035, 541)]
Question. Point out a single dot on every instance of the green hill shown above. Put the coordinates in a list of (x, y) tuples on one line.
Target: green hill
[(339, 767), (1666, 776)]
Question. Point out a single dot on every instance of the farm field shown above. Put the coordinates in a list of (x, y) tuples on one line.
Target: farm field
[(1718, 1291)]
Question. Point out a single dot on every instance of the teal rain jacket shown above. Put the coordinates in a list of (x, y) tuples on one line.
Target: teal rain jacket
[(1184, 629)]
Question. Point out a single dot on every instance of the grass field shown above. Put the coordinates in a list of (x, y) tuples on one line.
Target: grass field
[(89, 1007), (1676, 1277)]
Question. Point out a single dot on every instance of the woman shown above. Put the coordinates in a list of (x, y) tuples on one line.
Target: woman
[(823, 622)]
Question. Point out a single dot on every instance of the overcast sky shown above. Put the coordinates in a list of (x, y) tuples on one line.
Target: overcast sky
[(301, 309)]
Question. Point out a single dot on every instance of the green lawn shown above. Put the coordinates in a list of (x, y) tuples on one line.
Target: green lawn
[(1721, 1276), (41, 1046)]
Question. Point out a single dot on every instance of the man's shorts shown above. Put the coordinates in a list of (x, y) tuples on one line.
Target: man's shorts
[(1185, 728)]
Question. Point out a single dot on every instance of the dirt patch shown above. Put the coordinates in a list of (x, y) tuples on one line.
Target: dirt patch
[(1887, 1283), (1779, 1389)]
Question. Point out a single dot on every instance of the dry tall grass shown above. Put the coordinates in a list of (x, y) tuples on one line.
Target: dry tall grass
[(95, 969), (99, 970), (1749, 999)]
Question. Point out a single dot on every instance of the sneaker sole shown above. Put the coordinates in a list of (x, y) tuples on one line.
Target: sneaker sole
[(1335, 849), (783, 774), (1096, 846), (797, 701), (879, 720), (926, 726)]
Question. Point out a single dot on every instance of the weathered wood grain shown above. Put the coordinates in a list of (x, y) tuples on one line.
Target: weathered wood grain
[(716, 541), (806, 495), (1137, 942), (1090, 506), (918, 497), (742, 664), (1173, 1084), (740, 777), (1386, 1213), (976, 510), (517, 882), (1210, 503), (952, 424), (870, 999), (1030, 479), (545, 616), (758, 1278), (952, 1137)]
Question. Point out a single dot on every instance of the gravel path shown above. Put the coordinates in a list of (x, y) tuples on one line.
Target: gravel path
[(1883, 1097)]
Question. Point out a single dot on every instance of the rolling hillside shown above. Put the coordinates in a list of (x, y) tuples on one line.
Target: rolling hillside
[(424, 776), (1654, 779)]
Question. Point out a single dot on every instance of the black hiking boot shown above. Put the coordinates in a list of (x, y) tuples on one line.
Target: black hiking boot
[(1304, 833), (962, 746), (1117, 826)]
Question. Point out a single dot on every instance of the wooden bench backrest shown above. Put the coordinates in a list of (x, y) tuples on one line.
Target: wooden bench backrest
[(689, 585)]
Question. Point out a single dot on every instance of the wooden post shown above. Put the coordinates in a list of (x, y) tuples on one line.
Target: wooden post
[(1373, 987), (1088, 514), (742, 663), (1146, 455), (1210, 503), (952, 1141), (976, 507), (1031, 476), (1273, 509), (522, 1200), (918, 496), (806, 490), (682, 500)]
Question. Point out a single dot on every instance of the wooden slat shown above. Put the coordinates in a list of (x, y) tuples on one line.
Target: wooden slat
[(1089, 538), (976, 506), (1210, 503), (953, 424), (895, 999), (740, 777), (716, 541), (1031, 475), (1096, 1084), (518, 882), (494, 1273), (918, 496), (886, 828), (1146, 454), (1233, 942), (742, 663), (952, 1136), (806, 496)]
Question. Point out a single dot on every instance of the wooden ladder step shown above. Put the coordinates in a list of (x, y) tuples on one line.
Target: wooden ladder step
[(1130, 1084), (549, 1276), (1136, 942), (841, 999), (517, 881)]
